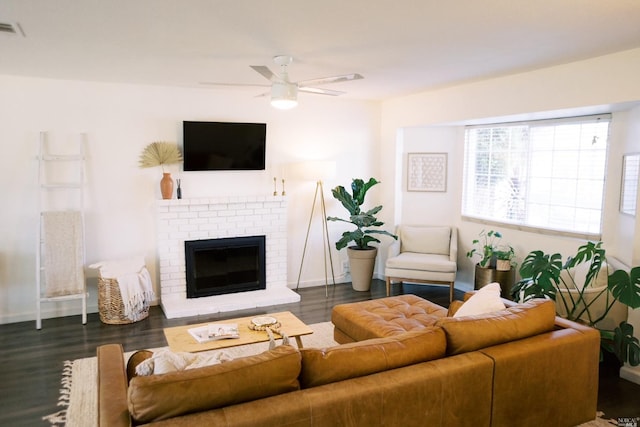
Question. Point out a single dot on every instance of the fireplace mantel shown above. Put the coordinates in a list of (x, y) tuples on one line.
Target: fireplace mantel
[(214, 218)]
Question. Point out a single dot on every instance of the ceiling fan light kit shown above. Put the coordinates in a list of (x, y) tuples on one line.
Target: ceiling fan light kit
[(284, 96)]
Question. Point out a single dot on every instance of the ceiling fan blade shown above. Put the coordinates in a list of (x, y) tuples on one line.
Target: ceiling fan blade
[(320, 91), (327, 80), (233, 84), (266, 72)]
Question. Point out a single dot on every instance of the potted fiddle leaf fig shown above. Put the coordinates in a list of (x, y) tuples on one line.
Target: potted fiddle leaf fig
[(361, 255), (586, 291)]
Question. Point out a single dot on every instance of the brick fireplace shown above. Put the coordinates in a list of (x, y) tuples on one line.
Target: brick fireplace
[(214, 218)]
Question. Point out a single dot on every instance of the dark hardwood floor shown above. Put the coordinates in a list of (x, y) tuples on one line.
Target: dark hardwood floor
[(31, 361)]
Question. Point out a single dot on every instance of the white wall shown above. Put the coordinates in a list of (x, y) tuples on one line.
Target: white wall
[(120, 120)]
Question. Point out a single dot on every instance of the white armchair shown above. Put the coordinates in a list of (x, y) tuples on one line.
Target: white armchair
[(423, 254)]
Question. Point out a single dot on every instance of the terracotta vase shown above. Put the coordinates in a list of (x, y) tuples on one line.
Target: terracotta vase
[(166, 186)]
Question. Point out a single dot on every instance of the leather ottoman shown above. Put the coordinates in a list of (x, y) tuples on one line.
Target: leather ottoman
[(383, 317)]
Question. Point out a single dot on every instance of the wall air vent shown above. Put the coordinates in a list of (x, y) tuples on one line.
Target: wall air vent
[(11, 28)]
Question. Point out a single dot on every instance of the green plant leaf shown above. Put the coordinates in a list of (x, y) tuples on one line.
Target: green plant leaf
[(625, 287), (340, 194), (544, 270), (626, 347), (360, 188), (592, 252)]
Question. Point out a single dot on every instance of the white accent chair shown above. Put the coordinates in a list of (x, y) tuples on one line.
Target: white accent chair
[(423, 255)]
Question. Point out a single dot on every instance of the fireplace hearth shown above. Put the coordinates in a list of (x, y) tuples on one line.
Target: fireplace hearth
[(223, 266)]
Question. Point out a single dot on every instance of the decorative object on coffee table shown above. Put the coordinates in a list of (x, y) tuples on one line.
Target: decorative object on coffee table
[(262, 323), (179, 338), (160, 154)]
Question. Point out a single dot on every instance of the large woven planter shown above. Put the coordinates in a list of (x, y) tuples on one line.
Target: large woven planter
[(361, 262), (110, 306)]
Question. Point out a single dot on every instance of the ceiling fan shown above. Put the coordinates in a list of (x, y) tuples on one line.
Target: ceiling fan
[(284, 92)]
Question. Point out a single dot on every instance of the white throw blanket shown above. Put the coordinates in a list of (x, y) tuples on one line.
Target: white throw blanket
[(134, 283), (63, 253)]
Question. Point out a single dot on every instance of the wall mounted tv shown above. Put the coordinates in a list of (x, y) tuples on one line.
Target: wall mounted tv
[(223, 146)]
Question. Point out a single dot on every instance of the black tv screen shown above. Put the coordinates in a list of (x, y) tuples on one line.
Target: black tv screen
[(223, 146)]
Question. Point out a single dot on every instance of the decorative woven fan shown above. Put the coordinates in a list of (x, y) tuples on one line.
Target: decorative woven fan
[(160, 154)]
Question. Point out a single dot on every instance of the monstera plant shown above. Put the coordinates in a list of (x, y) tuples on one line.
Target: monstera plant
[(361, 255), (547, 276)]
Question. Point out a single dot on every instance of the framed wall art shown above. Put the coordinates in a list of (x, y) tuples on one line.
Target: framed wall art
[(427, 172)]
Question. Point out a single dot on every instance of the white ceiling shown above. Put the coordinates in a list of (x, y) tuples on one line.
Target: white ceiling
[(399, 46)]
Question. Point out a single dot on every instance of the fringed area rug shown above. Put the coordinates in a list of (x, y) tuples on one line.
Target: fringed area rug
[(79, 395), (600, 421)]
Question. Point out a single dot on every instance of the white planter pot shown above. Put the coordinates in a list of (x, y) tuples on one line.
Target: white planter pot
[(361, 263), (503, 265)]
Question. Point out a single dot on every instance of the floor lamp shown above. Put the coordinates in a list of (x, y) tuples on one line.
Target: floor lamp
[(323, 170)]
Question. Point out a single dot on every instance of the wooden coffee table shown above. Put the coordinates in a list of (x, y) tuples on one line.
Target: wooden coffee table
[(179, 338)]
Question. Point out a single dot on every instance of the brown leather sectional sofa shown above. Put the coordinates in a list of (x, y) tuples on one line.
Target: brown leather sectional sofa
[(518, 367)]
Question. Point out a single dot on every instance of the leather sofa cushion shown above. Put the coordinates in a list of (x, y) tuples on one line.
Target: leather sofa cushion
[(323, 366), (422, 262), (470, 333), (384, 317), (158, 397), (425, 240)]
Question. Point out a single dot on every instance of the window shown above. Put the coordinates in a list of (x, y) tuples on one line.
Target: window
[(629, 190), (545, 175)]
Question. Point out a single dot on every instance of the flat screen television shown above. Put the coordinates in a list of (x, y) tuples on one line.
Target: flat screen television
[(223, 146)]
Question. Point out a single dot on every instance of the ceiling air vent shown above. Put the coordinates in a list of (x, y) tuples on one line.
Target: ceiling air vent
[(11, 28)]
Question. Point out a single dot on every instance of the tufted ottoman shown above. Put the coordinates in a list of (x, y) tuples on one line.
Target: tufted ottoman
[(383, 317)]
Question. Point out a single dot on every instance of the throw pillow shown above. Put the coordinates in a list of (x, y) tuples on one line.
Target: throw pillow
[(486, 300), (165, 361), (134, 360)]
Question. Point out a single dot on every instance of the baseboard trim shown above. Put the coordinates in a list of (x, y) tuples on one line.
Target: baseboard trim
[(630, 373)]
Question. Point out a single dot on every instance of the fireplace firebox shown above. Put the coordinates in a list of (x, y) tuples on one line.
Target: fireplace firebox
[(223, 266)]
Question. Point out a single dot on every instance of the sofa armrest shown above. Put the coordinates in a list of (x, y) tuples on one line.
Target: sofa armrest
[(453, 245), (112, 387), (568, 359), (394, 249)]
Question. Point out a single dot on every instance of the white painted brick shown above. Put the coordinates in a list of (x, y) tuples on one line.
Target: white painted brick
[(178, 209), (213, 218), (207, 214), (188, 215), (199, 208), (189, 227)]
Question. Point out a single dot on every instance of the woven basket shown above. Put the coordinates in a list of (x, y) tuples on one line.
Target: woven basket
[(110, 304)]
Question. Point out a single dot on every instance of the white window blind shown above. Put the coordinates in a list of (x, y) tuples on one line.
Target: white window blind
[(629, 190), (546, 174)]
